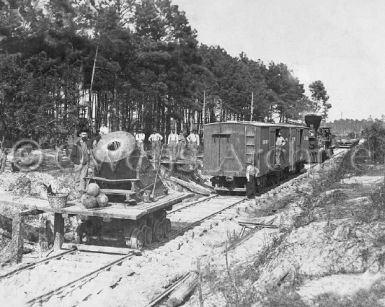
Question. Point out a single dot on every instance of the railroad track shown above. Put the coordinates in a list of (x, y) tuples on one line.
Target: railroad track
[(212, 208), (56, 276)]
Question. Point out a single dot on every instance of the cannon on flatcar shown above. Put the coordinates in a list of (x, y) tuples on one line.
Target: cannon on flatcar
[(128, 178), (230, 146)]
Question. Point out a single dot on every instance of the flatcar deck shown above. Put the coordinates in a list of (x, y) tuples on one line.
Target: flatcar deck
[(114, 210)]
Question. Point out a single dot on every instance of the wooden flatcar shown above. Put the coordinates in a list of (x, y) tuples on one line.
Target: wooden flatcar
[(230, 146)]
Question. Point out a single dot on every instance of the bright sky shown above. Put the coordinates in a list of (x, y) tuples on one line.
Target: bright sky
[(340, 42)]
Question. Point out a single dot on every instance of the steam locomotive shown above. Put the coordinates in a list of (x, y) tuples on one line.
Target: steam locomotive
[(320, 139)]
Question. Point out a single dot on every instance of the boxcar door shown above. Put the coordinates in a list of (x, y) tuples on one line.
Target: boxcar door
[(271, 153), (211, 149), (292, 147), (232, 149), (285, 132)]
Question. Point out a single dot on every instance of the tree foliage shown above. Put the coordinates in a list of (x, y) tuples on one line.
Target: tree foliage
[(320, 97), (128, 64)]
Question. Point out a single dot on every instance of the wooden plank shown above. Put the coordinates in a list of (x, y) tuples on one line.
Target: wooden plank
[(31, 212), (114, 180), (17, 237), (58, 232), (167, 202), (117, 191), (192, 186), (98, 249)]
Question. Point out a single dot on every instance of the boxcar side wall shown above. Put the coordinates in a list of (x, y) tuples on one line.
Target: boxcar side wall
[(229, 146)]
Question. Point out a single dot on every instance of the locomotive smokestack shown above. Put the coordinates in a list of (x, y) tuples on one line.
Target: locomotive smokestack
[(313, 119)]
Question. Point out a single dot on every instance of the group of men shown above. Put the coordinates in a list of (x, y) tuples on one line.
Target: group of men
[(82, 157), (176, 143)]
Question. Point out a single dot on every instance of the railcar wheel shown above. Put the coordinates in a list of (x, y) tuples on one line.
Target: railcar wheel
[(166, 225), (137, 239), (157, 230), (147, 232)]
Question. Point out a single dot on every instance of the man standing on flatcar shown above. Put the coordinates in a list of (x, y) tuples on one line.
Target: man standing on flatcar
[(193, 141), (172, 143), (251, 186), (181, 145), (156, 143), (280, 142)]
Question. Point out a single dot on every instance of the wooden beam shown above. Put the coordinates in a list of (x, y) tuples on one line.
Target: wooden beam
[(114, 180), (31, 212), (117, 191), (98, 249), (17, 237), (178, 296)]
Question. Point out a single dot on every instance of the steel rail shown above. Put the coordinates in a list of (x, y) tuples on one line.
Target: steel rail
[(48, 295), (32, 265), (193, 203)]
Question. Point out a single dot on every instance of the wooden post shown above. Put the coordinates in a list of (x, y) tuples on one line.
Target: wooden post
[(199, 283), (89, 110), (17, 237), (58, 231)]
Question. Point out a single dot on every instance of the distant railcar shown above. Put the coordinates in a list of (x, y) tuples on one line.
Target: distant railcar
[(230, 146)]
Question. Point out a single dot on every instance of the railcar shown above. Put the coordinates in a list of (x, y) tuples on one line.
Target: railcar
[(129, 179), (230, 146)]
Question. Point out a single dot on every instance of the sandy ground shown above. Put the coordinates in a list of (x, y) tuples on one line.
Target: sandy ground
[(330, 251)]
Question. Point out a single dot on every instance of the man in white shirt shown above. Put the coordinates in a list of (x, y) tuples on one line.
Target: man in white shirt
[(280, 142), (181, 145), (172, 143), (139, 138), (193, 141), (251, 183), (156, 143)]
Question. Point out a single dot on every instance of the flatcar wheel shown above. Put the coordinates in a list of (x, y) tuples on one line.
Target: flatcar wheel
[(147, 232), (166, 223), (137, 239), (157, 230)]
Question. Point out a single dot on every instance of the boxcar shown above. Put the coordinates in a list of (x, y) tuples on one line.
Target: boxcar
[(230, 146)]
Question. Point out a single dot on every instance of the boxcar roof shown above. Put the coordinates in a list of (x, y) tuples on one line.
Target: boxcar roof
[(259, 124)]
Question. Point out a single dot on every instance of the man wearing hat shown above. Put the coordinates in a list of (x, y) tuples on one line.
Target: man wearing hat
[(251, 183), (156, 143), (80, 156), (102, 131)]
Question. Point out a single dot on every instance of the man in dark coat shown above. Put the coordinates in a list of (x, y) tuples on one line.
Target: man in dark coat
[(80, 156), (251, 173)]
